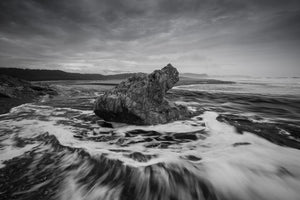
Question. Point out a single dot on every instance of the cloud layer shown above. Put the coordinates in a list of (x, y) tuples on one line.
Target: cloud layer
[(258, 37)]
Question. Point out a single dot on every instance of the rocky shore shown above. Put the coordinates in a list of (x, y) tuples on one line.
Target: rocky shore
[(14, 92)]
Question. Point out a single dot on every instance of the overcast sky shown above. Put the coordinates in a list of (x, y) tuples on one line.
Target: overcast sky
[(247, 37)]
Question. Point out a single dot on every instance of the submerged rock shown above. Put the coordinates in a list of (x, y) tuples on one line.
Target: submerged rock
[(141, 99)]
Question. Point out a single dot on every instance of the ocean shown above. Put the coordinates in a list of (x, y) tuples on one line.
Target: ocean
[(243, 143)]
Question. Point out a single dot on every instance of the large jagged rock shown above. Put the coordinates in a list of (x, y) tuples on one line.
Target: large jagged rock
[(140, 99)]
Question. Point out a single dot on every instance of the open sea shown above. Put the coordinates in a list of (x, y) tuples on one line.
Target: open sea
[(243, 144)]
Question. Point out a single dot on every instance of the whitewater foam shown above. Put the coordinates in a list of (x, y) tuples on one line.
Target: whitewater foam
[(239, 166)]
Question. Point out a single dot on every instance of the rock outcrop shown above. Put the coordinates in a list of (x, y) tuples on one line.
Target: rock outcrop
[(141, 99), (11, 87), (14, 91)]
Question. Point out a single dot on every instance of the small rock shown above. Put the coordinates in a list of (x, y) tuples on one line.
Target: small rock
[(240, 143), (104, 124)]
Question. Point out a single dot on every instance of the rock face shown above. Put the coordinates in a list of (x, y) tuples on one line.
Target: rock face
[(140, 99)]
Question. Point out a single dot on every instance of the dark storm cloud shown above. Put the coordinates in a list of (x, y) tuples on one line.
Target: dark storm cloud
[(120, 35)]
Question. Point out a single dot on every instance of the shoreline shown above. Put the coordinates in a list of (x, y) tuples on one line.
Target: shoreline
[(15, 92), (8, 103), (114, 82)]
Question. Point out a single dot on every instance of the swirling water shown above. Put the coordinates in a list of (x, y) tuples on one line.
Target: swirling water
[(241, 144)]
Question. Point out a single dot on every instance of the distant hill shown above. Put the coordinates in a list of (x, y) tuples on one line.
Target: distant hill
[(192, 75), (48, 75)]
